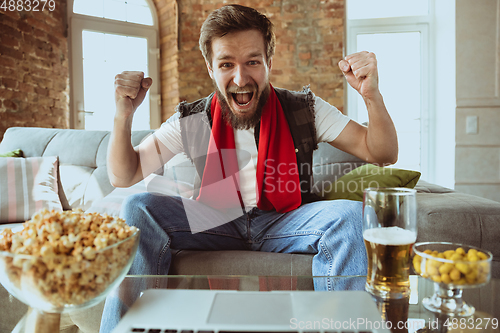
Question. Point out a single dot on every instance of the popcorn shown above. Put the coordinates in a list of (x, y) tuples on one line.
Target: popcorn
[(70, 261)]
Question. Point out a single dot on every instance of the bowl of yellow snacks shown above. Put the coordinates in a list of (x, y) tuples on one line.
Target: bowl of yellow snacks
[(452, 267), (63, 261)]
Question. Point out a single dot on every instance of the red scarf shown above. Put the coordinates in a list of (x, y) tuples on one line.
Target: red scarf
[(278, 184)]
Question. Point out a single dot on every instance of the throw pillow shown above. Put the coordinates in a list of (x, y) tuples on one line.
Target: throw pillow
[(351, 185), (14, 153), (28, 185)]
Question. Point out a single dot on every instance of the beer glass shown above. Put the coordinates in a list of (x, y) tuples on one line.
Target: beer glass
[(389, 232)]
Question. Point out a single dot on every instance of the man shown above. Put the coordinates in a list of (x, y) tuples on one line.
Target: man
[(249, 142)]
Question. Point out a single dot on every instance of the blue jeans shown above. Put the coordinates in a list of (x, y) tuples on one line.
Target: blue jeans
[(331, 230)]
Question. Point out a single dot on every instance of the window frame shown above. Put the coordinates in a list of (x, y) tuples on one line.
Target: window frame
[(424, 25), (77, 24)]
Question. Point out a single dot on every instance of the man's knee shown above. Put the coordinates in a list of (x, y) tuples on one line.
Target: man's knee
[(146, 199), (140, 203), (344, 209), (135, 201), (346, 220), (354, 206)]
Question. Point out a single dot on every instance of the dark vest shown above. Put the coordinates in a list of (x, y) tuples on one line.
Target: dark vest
[(299, 112)]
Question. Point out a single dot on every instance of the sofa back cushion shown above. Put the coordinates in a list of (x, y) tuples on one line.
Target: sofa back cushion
[(83, 176), (329, 164)]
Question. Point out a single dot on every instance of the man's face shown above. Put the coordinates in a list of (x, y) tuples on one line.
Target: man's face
[(241, 75)]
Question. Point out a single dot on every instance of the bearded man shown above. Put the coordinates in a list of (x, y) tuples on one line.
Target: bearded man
[(252, 146)]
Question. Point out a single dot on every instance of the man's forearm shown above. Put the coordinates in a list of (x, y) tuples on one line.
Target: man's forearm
[(381, 138), (122, 158), (381, 142)]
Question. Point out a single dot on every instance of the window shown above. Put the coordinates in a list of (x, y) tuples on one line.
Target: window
[(107, 38), (366, 9), (135, 11), (400, 41)]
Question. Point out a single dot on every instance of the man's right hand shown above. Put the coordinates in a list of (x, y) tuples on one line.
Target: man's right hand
[(130, 90)]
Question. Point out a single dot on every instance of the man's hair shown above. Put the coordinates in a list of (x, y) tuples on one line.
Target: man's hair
[(235, 18)]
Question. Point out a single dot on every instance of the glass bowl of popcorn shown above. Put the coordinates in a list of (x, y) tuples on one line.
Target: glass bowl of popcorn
[(452, 267), (64, 261)]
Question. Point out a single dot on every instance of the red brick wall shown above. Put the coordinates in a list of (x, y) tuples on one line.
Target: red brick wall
[(34, 76), (169, 75)]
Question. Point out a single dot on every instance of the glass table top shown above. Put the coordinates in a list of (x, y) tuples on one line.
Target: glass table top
[(405, 315)]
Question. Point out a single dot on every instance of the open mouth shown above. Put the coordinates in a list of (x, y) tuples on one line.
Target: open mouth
[(242, 98)]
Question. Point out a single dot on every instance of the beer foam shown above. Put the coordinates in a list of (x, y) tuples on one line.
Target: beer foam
[(390, 236)]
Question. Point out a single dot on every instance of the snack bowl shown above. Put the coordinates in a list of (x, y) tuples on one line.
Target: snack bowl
[(452, 267), (66, 271), (61, 283)]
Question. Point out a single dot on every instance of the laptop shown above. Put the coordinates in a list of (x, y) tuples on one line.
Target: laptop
[(227, 311)]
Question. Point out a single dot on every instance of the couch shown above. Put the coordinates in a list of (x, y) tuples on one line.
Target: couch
[(443, 214)]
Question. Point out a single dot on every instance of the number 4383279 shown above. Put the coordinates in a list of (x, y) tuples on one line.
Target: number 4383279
[(27, 5)]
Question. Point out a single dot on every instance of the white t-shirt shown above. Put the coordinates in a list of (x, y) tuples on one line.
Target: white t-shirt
[(329, 122)]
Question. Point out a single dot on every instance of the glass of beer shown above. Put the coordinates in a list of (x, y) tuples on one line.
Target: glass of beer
[(389, 232)]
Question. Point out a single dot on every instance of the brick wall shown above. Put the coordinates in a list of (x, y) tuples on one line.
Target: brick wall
[(34, 77), (309, 45), (34, 74), (169, 75)]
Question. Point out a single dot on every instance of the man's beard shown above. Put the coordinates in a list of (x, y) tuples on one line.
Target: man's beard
[(242, 123)]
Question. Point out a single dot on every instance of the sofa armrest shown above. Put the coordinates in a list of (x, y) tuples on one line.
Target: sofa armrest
[(460, 218), (426, 187)]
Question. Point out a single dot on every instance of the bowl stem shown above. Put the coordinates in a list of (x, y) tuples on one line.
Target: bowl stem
[(448, 301)]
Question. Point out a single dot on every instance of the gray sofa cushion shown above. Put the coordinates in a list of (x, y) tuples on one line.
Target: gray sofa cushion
[(329, 164), (243, 263), (426, 187), (82, 159), (227, 262)]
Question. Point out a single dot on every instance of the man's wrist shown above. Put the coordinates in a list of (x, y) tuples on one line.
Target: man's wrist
[(375, 98), (123, 122), (374, 101)]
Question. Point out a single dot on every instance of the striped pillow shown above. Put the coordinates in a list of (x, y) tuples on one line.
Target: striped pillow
[(26, 186)]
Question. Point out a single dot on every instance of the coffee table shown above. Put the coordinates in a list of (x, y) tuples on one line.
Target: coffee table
[(399, 313)]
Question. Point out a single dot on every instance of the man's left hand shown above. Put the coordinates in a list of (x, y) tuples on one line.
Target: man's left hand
[(360, 70)]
